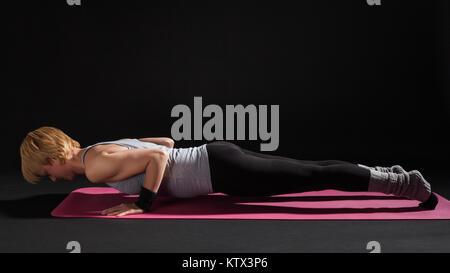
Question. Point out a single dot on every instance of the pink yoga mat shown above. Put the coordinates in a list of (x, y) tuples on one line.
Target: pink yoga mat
[(314, 205)]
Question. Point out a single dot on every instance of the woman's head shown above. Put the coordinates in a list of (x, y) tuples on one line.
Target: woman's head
[(44, 152)]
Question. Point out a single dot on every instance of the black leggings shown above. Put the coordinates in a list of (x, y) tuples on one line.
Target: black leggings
[(237, 171)]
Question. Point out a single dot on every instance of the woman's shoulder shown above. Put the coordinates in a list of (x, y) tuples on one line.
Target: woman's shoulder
[(95, 154), (108, 148)]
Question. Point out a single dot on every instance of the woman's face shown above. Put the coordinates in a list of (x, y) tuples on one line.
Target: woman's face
[(56, 170)]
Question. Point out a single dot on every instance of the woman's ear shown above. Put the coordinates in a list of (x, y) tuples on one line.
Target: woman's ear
[(49, 161), (54, 161)]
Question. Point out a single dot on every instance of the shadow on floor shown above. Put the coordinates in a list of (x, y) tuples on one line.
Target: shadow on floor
[(39, 206), (237, 204)]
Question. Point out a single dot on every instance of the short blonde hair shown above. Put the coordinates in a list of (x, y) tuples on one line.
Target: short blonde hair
[(42, 144)]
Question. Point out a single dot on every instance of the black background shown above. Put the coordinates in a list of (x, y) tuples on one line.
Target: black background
[(354, 82), (368, 84)]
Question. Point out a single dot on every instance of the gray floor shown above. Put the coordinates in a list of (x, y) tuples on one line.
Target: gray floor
[(26, 226)]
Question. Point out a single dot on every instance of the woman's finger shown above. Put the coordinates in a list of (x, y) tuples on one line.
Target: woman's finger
[(130, 211), (116, 212), (110, 210), (122, 210), (125, 212), (106, 211)]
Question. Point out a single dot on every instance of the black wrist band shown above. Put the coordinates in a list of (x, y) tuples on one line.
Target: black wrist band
[(145, 199)]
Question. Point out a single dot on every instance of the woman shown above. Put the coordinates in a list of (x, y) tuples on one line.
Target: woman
[(152, 166)]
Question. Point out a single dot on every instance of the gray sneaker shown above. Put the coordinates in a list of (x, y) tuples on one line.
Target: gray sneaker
[(422, 189), (393, 169)]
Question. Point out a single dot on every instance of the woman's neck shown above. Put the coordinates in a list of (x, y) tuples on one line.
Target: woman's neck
[(76, 162)]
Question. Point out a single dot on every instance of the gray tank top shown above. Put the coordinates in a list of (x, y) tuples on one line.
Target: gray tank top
[(187, 172)]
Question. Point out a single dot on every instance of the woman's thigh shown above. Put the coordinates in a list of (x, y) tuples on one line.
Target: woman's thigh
[(302, 161), (235, 171)]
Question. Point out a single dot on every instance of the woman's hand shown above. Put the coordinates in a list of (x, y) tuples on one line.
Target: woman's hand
[(122, 210)]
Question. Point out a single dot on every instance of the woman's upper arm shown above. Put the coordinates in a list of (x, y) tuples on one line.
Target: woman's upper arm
[(118, 166)]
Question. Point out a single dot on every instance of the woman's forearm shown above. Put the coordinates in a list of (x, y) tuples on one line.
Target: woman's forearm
[(154, 171), (165, 141)]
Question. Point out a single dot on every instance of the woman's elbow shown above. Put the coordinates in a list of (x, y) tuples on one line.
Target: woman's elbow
[(162, 155), (170, 143)]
